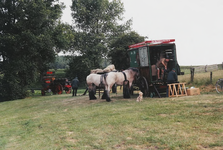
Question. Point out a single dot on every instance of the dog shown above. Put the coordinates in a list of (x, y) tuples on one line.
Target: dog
[(140, 97)]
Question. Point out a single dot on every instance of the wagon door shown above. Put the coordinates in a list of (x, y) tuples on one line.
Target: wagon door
[(144, 59), (140, 58), (144, 69)]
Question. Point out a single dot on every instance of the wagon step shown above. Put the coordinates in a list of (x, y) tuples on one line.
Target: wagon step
[(156, 91)]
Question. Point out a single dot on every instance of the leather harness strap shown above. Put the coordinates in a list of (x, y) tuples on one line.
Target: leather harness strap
[(101, 79), (124, 76)]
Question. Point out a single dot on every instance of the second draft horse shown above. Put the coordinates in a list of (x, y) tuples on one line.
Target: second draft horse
[(94, 80), (124, 78)]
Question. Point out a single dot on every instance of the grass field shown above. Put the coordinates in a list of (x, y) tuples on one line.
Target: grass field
[(202, 80), (64, 122)]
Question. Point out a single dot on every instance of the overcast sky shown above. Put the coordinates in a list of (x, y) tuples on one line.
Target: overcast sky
[(196, 25)]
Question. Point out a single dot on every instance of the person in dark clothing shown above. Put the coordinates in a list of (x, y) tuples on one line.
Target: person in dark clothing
[(74, 84), (171, 78)]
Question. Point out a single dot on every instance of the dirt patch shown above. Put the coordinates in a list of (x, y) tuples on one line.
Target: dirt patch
[(207, 88), (84, 99), (79, 100)]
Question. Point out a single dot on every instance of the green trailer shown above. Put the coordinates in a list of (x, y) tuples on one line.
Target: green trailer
[(144, 56)]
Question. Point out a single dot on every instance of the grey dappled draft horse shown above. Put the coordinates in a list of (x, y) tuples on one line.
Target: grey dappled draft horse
[(94, 80), (124, 78)]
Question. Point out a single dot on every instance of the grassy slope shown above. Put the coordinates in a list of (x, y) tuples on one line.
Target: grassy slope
[(65, 122)]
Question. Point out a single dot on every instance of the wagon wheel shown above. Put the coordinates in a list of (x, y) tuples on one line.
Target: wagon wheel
[(59, 88), (143, 86), (43, 92), (68, 90), (219, 86)]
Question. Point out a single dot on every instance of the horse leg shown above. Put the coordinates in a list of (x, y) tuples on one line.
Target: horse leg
[(91, 92), (108, 99), (131, 88), (104, 95), (91, 95), (126, 93), (114, 88)]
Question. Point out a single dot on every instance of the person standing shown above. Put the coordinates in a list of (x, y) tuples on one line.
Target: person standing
[(74, 84), (171, 78)]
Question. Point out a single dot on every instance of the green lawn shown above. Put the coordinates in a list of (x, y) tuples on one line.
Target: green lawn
[(66, 122)]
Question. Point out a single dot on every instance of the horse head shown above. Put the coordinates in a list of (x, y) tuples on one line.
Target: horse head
[(135, 71)]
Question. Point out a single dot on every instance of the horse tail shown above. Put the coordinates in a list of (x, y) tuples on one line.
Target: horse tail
[(106, 95), (105, 76)]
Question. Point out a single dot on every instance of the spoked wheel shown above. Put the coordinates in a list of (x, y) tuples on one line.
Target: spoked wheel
[(143, 85), (68, 91), (219, 86), (59, 89)]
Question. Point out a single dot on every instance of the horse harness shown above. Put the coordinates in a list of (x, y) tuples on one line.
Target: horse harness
[(124, 76), (125, 82), (103, 76), (101, 79)]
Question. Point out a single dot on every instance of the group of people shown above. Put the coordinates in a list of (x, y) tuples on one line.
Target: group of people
[(161, 66), (171, 77)]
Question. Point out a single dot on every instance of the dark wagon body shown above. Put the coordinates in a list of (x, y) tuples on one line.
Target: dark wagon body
[(144, 56)]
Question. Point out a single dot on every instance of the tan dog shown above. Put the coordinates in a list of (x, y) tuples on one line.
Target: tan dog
[(140, 97)]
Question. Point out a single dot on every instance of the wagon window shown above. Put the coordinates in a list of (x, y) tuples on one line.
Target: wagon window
[(143, 56)]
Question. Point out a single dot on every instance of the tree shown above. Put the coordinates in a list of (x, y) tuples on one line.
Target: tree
[(96, 22), (29, 35), (61, 62), (78, 67), (119, 47)]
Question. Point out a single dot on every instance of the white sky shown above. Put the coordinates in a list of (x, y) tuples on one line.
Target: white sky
[(196, 25)]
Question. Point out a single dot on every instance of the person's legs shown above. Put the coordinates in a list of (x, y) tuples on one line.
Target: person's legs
[(158, 73), (167, 90), (73, 91), (162, 74)]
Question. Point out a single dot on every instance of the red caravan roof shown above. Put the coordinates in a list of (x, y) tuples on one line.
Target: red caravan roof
[(151, 42)]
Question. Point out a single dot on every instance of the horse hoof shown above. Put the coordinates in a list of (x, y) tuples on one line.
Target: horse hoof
[(108, 100)]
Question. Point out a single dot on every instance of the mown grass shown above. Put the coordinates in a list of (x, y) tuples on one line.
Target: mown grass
[(66, 122)]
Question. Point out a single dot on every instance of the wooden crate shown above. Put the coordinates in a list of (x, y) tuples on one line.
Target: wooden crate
[(177, 89), (193, 91)]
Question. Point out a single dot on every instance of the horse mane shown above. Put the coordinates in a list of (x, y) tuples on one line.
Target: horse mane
[(133, 69)]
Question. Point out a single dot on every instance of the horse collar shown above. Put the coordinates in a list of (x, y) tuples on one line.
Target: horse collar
[(124, 75)]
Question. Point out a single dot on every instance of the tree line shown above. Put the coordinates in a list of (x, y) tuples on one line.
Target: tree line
[(32, 34)]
